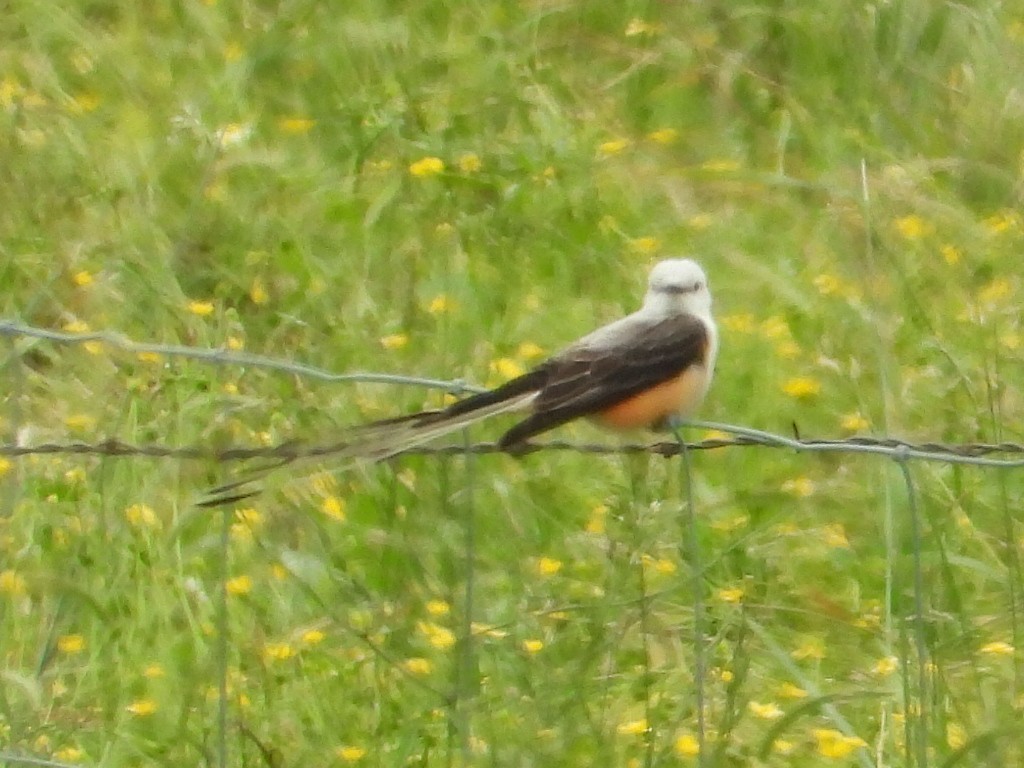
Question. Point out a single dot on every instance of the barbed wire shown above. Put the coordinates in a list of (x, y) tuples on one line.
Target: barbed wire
[(967, 453), (14, 329), (975, 453)]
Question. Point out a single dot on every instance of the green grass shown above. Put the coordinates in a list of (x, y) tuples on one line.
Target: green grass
[(238, 174)]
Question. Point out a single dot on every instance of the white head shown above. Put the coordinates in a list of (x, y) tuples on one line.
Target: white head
[(678, 285)]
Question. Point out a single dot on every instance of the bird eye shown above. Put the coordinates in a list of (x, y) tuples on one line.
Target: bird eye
[(697, 286)]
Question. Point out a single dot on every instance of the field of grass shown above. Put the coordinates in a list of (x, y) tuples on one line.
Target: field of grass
[(454, 190)]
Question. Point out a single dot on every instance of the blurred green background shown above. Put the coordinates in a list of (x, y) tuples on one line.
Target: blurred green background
[(455, 190)]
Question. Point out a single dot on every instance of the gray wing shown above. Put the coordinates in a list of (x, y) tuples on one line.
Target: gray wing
[(589, 377)]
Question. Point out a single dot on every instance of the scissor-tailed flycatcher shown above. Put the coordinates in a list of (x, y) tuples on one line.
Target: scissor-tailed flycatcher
[(642, 371), (638, 372)]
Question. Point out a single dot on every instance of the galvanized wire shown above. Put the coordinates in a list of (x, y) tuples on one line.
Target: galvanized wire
[(970, 453)]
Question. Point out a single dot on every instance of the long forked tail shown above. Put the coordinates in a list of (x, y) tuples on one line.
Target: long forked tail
[(380, 440), (383, 439)]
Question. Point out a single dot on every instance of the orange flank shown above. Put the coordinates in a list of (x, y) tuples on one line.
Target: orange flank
[(680, 395)]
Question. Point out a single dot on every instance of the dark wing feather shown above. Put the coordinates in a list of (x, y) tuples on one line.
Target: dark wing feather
[(584, 380)]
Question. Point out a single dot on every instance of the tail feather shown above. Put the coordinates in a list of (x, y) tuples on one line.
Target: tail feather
[(380, 440)]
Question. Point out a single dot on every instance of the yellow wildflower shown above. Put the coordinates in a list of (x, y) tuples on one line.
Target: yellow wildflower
[(633, 727), (278, 651), (1002, 221), (427, 166), (721, 165), (80, 422), (258, 294), (790, 691), (730, 594), (783, 746), (613, 147), (394, 341), (885, 666), (810, 648), (663, 135), (439, 305), (334, 508), (201, 308), (529, 351), (911, 227), (664, 565), (596, 522), (470, 163), (506, 368), (687, 745), (153, 671), (788, 350), (440, 637), (774, 327), (827, 285), (71, 644), (637, 26), (951, 254), (996, 291), (486, 629), (418, 666), (801, 487), (313, 636), (802, 387), (853, 422), (323, 483), (644, 245), (742, 322), (239, 585), (233, 51), (12, 583), (834, 535), (533, 646), (731, 523), (150, 357), (82, 278), (997, 648), (139, 515), (832, 743), (10, 91), (5, 466), (295, 125), (438, 608), (142, 707), (700, 221), (249, 516), (350, 753), (956, 735), (82, 103), (723, 674), (769, 711), (69, 754), (548, 566), (233, 133)]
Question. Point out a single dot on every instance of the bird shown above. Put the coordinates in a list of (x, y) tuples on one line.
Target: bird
[(647, 370)]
